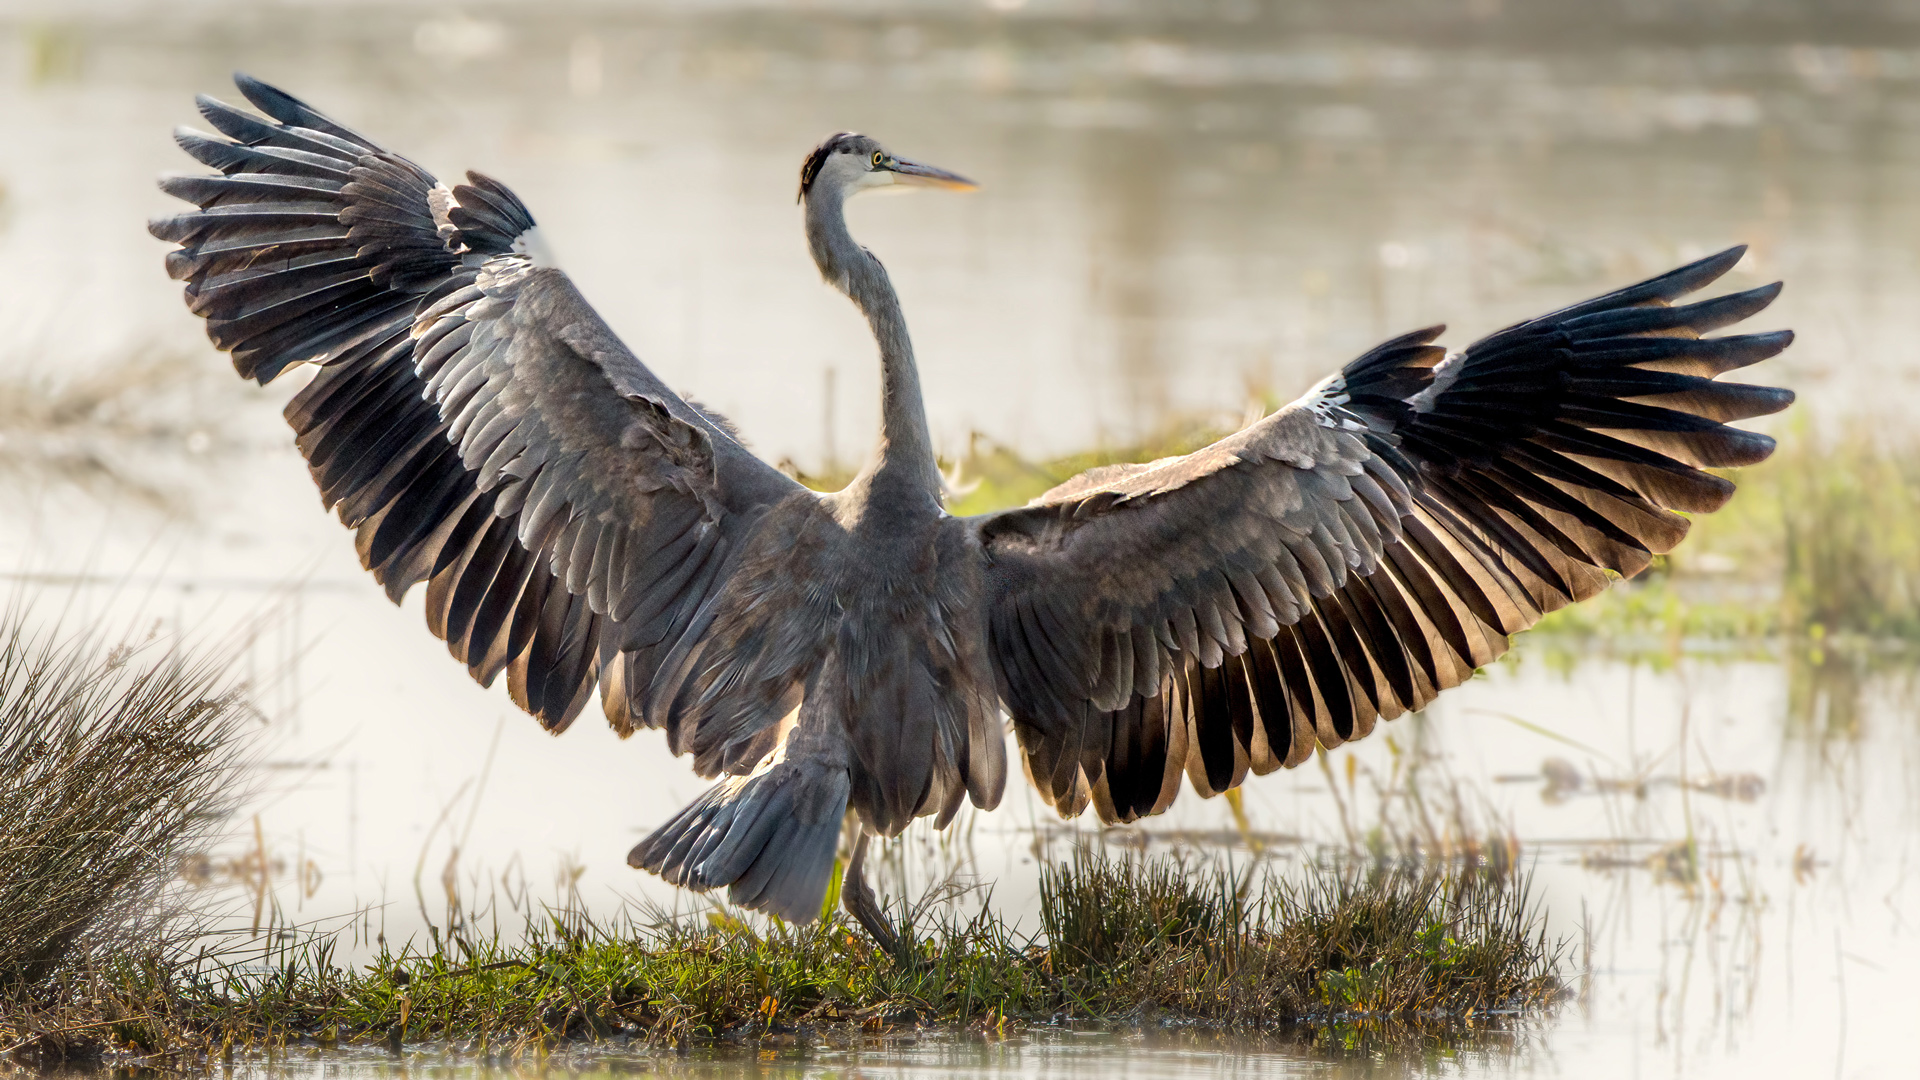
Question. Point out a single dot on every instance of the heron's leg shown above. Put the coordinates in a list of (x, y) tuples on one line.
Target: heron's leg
[(858, 899)]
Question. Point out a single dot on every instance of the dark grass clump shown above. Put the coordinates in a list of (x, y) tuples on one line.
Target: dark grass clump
[(661, 983), (1342, 941), (115, 761), (1120, 939)]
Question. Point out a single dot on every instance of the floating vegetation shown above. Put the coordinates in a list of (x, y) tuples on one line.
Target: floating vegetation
[(1123, 939)]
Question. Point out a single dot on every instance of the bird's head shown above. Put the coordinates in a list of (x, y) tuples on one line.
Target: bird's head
[(847, 164)]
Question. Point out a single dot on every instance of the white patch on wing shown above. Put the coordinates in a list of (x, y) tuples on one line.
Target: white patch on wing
[(1324, 401), (440, 200), (1444, 375), (534, 246)]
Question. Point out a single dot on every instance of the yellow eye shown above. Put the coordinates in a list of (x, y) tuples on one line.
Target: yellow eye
[(878, 157)]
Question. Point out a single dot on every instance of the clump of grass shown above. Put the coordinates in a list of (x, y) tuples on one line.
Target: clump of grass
[(115, 761), (1118, 936), (663, 982), (1390, 940), (1099, 912), (1345, 940)]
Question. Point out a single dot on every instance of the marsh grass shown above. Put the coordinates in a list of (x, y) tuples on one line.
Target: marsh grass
[(1344, 940), (116, 759), (1122, 939), (993, 476), (1821, 544), (1850, 531)]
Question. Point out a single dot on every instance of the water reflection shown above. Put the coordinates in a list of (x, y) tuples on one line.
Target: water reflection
[(1144, 1052)]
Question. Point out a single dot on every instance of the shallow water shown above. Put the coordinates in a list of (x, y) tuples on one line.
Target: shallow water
[(1138, 1054), (1175, 212)]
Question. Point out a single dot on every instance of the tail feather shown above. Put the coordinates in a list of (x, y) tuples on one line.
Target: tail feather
[(770, 837)]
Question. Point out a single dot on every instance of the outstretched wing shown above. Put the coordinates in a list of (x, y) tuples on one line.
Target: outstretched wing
[(471, 419), (1364, 548)]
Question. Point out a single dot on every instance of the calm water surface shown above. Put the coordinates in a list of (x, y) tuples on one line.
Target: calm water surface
[(1177, 213)]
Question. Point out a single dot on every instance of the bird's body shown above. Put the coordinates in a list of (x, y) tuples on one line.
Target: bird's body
[(1337, 563)]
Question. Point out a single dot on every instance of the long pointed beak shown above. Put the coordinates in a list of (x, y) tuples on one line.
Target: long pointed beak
[(918, 175)]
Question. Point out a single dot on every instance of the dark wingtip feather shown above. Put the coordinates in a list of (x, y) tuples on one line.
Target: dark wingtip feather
[(1744, 448), (291, 111), (174, 228), (1692, 277), (1679, 282), (236, 124), (1665, 288), (1763, 295), (209, 150), (1699, 273), (276, 102)]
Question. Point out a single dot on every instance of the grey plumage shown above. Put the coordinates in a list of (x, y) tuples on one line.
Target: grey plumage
[(576, 523)]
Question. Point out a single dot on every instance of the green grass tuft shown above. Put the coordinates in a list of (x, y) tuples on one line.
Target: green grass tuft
[(1372, 939)]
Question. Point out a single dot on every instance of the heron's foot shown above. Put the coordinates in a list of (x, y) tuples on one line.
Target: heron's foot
[(857, 897)]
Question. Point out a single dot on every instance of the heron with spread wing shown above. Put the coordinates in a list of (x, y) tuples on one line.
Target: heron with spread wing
[(578, 524)]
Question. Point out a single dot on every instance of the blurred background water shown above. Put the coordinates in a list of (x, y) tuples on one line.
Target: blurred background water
[(1184, 207)]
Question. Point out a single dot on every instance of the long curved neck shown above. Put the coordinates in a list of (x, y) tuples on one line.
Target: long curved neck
[(904, 457)]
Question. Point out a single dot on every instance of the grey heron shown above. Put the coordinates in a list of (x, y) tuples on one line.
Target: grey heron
[(578, 524)]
